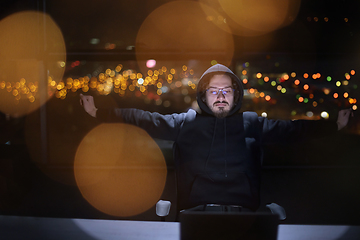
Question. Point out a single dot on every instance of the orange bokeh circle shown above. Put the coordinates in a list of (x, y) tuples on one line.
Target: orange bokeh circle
[(120, 169), (253, 18), (32, 51), (179, 32)]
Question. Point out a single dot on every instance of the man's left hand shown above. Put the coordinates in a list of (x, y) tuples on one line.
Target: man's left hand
[(343, 118)]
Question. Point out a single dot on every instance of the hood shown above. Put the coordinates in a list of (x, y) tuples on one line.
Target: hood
[(219, 68)]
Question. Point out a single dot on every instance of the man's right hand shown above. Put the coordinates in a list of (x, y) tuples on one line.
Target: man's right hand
[(87, 102)]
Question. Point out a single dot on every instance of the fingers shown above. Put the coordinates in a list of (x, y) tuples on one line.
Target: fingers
[(345, 112), (86, 99), (348, 112)]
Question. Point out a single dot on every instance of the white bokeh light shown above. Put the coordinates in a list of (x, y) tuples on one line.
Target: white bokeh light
[(324, 115)]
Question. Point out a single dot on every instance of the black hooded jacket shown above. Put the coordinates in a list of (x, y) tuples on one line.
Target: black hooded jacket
[(218, 160)]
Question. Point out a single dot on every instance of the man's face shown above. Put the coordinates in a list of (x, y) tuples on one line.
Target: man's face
[(220, 95)]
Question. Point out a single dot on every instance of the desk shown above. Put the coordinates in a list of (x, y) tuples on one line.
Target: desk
[(14, 228)]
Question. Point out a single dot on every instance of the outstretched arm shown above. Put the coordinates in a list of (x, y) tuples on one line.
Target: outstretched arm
[(288, 131), (87, 102), (343, 118), (157, 125)]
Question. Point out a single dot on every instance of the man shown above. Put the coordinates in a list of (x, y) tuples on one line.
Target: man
[(218, 152)]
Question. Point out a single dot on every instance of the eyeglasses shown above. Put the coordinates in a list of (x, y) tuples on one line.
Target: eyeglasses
[(215, 91)]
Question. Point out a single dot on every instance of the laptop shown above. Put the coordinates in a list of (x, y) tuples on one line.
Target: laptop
[(197, 225)]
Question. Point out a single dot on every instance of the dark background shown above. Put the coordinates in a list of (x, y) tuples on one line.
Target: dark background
[(317, 182)]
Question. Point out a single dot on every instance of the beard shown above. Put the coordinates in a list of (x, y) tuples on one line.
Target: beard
[(221, 113)]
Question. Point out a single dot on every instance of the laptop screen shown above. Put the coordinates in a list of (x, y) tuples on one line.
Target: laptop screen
[(228, 225)]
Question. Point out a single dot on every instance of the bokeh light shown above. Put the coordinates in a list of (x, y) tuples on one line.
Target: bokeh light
[(32, 53), (309, 114), (120, 170), (151, 63), (185, 33), (253, 18), (324, 115)]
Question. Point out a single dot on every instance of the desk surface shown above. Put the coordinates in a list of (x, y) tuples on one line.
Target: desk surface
[(13, 227)]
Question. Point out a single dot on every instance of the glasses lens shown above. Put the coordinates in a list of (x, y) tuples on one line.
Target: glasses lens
[(216, 91), (226, 91)]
